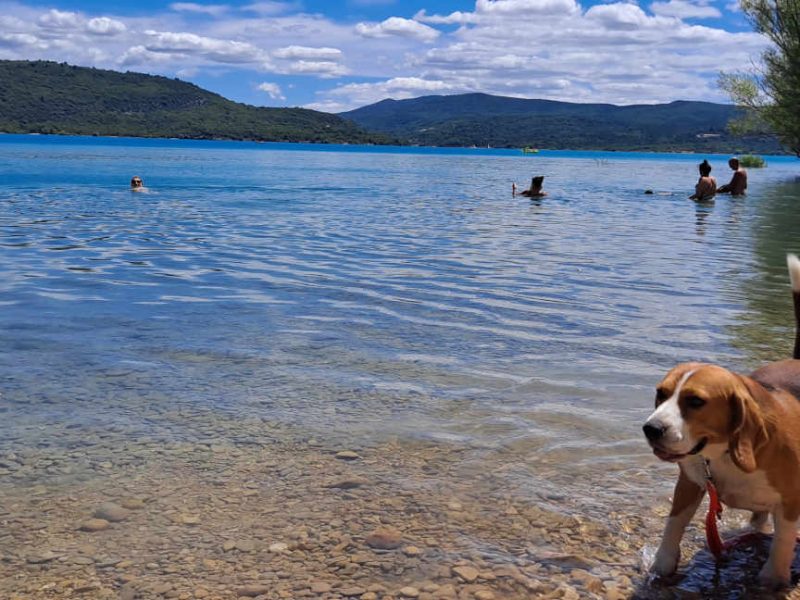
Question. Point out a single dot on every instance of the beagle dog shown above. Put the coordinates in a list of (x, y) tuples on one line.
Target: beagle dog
[(745, 432)]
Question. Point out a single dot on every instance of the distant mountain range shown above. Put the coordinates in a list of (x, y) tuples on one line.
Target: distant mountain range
[(48, 97), (484, 120)]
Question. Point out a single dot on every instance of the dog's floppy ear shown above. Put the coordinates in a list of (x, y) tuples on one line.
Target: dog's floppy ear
[(748, 432)]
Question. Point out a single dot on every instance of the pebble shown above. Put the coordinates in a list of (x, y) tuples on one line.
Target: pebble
[(132, 503), (42, 557), (320, 587), (94, 525), (278, 547), (111, 512), (484, 595), (352, 591), (384, 539), (351, 483), (347, 455), (409, 592), (466, 573), (411, 551), (253, 590)]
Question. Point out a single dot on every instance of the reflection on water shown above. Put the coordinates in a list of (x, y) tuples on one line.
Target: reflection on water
[(377, 297), (766, 329)]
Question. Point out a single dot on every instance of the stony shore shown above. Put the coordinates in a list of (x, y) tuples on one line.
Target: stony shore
[(250, 510)]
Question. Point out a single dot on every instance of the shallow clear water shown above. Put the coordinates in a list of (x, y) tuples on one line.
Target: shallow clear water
[(358, 293)]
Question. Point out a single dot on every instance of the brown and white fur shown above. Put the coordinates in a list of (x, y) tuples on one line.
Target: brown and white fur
[(748, 428)]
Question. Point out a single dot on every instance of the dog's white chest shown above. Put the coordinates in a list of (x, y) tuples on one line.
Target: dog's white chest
[(737, 489)]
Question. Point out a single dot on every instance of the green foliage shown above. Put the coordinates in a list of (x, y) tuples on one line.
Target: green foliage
[(752, 161), (480, 119), (48, 97), (772, 96)]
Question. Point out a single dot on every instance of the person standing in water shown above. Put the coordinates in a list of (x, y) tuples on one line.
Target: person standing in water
[(706, 186), (738, 183)]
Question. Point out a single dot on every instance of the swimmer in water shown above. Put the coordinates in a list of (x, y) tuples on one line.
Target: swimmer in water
[(137, 185), (535, 190)]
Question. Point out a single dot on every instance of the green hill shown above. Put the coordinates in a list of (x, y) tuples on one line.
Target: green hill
[(48, 97), (481, 120)]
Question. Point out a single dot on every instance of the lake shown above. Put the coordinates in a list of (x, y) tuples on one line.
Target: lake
[(485, 362)]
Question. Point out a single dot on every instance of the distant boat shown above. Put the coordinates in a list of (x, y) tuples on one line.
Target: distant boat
[(529, 150)]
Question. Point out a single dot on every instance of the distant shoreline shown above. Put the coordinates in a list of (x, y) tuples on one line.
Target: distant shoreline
[(543, 153)]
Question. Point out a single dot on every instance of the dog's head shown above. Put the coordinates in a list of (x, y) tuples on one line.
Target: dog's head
[(698, 405)]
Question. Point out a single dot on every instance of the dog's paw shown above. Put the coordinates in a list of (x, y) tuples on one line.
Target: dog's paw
[(665, 562), (771, 579)]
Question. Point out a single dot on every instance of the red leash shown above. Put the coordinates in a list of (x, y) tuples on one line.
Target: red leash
[(713, 539)]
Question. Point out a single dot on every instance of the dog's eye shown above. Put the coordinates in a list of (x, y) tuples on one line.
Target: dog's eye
[(695, 402), (661, 395)]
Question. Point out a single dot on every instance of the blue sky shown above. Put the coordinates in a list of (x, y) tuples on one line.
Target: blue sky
[(335, 56)]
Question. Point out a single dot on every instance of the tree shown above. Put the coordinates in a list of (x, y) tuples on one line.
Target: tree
[(772, 96)]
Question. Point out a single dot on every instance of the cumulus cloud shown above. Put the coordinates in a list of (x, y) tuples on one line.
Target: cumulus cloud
[(213, 10), (105, 26), (454, 18), (399, 88), (322, 68), (272, 89), (307, 53), (398, 26), (620, 16), (224, 51), (56, 19), (685, 9), (525, 7), (17, 40)]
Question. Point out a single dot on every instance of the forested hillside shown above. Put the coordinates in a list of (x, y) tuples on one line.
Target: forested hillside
[(48, 97), (481, 120)]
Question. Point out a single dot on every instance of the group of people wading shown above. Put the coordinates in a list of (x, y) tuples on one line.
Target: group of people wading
[(706, 187)]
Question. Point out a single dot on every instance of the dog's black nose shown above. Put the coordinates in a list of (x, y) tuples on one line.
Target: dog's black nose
[(654, 431)]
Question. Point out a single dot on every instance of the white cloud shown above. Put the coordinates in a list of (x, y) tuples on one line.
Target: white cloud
[(398, 26), (358, 94), (224, 51), (271, 8), (454, 18), (307, 53), (213, 10), (321, 68), (272, 89), (525, 7), (685, 9), (141, 56), (105, 26), (56, 19), (17, 40), (620, 16)]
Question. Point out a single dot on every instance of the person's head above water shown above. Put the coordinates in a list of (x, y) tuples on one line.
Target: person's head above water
[(136, 182), (705, 168), (733, 163)]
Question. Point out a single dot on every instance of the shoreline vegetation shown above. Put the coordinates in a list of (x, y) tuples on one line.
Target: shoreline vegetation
[(40, 97)]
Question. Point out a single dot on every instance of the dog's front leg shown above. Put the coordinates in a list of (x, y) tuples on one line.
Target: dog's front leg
[(776, 571), (685, 501)]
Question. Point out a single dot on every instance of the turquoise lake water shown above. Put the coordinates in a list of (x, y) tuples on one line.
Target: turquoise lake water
[(369, 292)]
